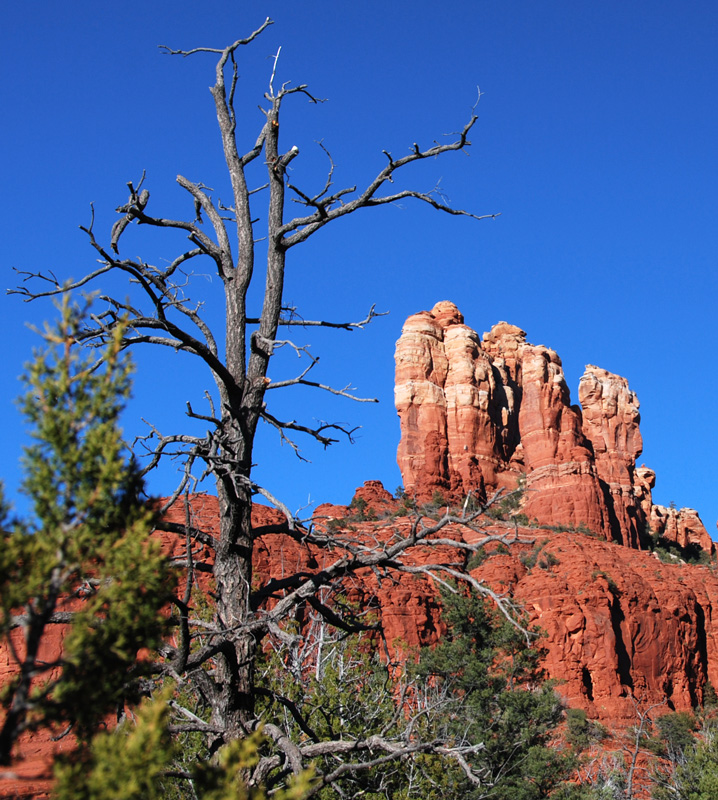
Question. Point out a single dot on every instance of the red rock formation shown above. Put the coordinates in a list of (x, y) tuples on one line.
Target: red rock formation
[(458, 414), (619, 622), (682, 526), (645, 480), (421, 369), (469, 392), (477, 414), (30, 775), (561, 477), (498, 408), (610, 421), (374, 496)]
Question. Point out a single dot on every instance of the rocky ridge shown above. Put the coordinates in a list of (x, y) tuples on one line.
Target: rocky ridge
[(619, 622), (479, 415)]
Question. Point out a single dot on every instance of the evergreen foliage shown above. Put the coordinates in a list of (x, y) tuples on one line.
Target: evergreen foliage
[(496, 696), (84, 556), (696, 774), (581, 731), (481, 689), (674, 735), (137, 762)]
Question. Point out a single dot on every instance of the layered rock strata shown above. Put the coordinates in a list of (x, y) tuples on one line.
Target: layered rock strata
[(476, 414)]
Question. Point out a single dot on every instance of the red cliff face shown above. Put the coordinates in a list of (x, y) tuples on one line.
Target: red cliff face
[(475, 414), (618, 621)]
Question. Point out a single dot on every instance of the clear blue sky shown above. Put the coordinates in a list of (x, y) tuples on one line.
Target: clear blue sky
[(597, 142)]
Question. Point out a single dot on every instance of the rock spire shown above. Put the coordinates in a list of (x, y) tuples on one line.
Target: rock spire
[(476, 414)]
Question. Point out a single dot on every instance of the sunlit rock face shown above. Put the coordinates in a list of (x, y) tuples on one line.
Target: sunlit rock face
[(610, 422), (476, 414), (421, 371), (563, 487)]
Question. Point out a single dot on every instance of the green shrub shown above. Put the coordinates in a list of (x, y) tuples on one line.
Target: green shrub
[(612, 586), (669, 552), (361, 511), (477, 559), (710, 698), (581, 732), (529, 558), (676, 731), (548, 560), (438, 499)]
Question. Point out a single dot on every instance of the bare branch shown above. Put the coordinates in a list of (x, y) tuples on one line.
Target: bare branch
[(301, 228), (294, 318), (195, 533), (225, 264), (315, 433), (345, 392), (504, 605), (359, 555), (274, 70), (226, 51), (58, 288)]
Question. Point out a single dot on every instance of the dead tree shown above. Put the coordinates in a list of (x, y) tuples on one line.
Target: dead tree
[(159, 312)]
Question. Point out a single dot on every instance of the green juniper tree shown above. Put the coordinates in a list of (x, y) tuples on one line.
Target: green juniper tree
[(694, 776), (83, 558), (480, 691), (484, 690)]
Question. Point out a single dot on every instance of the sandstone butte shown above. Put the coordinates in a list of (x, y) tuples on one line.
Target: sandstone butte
[(477, 415)]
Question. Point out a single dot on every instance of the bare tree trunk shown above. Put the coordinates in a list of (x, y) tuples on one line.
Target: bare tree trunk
[(238, 358), (233, 710)]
